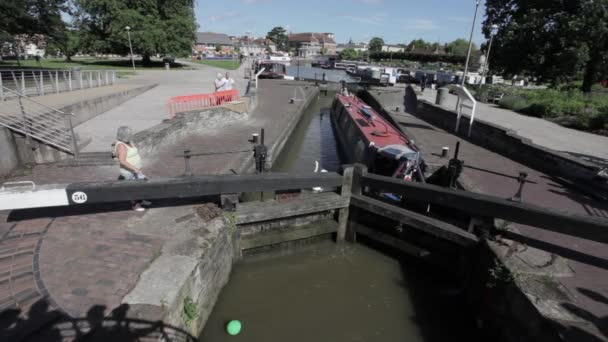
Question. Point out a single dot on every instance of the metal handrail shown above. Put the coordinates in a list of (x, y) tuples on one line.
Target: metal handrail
[(31, 99), (44, 123)]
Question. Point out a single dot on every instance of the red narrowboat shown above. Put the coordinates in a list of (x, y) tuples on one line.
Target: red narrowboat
[(367, 138)]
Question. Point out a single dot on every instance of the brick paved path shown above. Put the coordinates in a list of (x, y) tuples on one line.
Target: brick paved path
[(81, 259)]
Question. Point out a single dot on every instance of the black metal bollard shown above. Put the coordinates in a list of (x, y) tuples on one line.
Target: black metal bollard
[(260, 152), (188, 167)]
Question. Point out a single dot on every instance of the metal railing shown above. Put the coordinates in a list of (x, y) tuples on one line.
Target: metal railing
[(178, 104), (42, 82), (38, 121)]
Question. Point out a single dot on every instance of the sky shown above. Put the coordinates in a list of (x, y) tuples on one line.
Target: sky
[(396, 21)]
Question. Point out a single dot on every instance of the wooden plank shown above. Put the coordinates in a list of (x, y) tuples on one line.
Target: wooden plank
[(271, 210), (392, 241), (427, 224), (586, 227), (183, 187), (281, 235)]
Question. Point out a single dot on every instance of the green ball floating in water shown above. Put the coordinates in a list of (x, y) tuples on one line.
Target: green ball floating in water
[(234, 327)]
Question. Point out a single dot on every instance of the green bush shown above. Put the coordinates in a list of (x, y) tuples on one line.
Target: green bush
[(565, 105), (513, 102)]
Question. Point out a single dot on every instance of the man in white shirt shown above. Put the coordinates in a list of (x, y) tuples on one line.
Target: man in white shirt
[(220, 83), (229, 82)]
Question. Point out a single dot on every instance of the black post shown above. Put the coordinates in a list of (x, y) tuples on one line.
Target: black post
[(455, 166), (188, 167), (262, 137)]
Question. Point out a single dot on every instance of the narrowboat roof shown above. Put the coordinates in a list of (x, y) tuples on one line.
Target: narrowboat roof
[(374, 127)]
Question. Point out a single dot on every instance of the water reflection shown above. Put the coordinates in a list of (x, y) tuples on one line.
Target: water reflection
[(312, 140), (306, 71)]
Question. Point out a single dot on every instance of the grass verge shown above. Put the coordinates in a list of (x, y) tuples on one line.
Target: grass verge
[(224, 64)]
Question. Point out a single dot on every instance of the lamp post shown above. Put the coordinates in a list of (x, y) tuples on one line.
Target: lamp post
[(466, 65), (130, 46), (493, 32)]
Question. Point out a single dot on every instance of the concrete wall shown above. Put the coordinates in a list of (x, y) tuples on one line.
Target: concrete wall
[(183, 124), (88, 109), (8, 153)]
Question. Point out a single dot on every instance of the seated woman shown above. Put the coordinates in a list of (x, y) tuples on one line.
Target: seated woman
[(130, 161)]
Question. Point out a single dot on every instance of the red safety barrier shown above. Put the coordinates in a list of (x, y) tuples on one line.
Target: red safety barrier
[(187, 103)]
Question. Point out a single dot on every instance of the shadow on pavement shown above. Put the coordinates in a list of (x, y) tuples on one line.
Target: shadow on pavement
[(44, 324)]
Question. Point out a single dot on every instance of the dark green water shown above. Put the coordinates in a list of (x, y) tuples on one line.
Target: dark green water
[(326, 292)]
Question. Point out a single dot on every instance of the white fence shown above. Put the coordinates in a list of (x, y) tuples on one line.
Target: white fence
[(41, 82)]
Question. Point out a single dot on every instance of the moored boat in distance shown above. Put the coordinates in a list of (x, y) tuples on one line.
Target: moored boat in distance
[(272, 69), (367, 138)]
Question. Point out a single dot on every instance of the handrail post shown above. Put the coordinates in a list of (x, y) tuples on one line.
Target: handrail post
[(56, 81), (28, 140), (74, 142), (36, 82), (70, 80), (41, 83), (23, 82), (90, 79), (1, 88)]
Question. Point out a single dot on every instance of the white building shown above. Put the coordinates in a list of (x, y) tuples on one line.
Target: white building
[(360, 47), (392, 48)]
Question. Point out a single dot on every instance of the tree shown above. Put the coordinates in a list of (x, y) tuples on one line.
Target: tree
[(279, 36), (419, 44), (552, 40), (157, 26), (348, 54), (31, 17), (460, 47), (69, 44), (376, 44)]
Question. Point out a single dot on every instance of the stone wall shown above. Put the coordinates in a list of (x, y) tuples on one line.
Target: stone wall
[(183, 124)]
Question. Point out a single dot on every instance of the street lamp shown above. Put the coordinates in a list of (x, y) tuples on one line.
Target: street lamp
[(466, 65), (130, 46), (493, 32)]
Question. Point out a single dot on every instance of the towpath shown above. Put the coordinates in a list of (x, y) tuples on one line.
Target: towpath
[(149, 109), (580, 144)]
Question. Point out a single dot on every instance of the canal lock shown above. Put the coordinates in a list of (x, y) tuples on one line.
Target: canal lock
[(408, 299)]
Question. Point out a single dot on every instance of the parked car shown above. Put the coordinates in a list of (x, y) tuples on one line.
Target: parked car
[(169, 59)]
